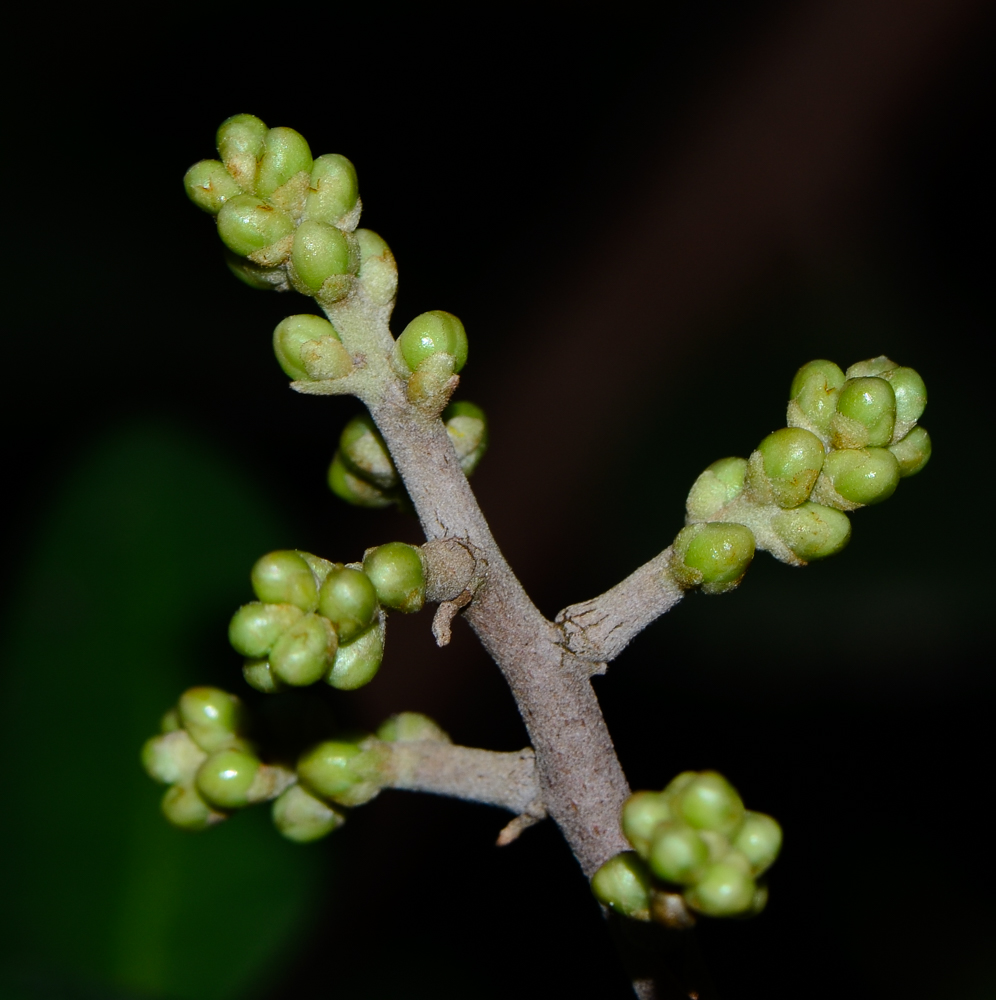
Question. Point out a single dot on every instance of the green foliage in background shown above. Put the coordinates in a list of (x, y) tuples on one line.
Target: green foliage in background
[(108, 622)]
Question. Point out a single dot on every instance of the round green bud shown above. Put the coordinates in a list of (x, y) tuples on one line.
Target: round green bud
[(212, 717), (759, 841), (411, 727), (371, 245), (357, 663), (349, 601), (913, 452), (720, 483), (354, 490), (209, 185), (467, 429), (678, 783), (433, 333), (171, 757), (303, 818), (285, 153), (710, 802), (866, 414), (241, 140), (241, 134), (791, 459), (340, 772), (871, 367), (224, 779), (725, 890), (290, 336), (247, 224), (258, 675), (642, 812), (715, 555), (304, 653), (395, 570), (813, 395), (364, 453), (378, 269), (911, 394), (319, 252), (334, 189), (813, 531), (623, 884), (184, 808), (677, 853), (256, 627), (283, 577), (863, 475)]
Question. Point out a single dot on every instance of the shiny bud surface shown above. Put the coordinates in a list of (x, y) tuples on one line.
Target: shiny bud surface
[(623, 884), (395, 570), (256, 627), (283, 577), (247, 224), (432, 333), (349, 601), (212, 717), (304, 653), (224, 779)]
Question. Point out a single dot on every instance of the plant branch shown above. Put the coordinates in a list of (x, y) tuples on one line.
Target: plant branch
[(598, 630)]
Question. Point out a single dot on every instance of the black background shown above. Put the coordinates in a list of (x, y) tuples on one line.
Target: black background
[(646, 225)]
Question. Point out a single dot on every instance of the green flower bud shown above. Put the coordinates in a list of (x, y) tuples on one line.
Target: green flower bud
[(623, 884), (642, 812), (258, 675), (395, 570), (341, 772), (791, 459), (679, 783), (211, 716), (813, 531), (863, 475), (285, 154), (290, 337), (247, 224), (467, 429), (256, 627), (170, 722), (677, 853), (913, 452), (241, 140), (866, 414), (304, 653), (334, 189), (303, 818), (720, 483), (283, 577), (365, 455), (911, 396), (710, 802), (224, 779), (349, 601), (357, 663), (714, 555), (171, 757), (433, 333), (411, 727), (378, 269), (184, 808), (209, 185), (871, 367), (759, 841), (813, 396), (320, 252), (352, 489), (725, 890)]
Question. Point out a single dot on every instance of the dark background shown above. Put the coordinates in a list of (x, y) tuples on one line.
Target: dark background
[(647, 224)]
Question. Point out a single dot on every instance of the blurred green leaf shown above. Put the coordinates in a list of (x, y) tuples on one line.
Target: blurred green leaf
[(138, 563)]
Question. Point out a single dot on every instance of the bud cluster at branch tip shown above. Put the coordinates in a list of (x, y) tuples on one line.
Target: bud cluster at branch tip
[(694, 838), (851, 437)]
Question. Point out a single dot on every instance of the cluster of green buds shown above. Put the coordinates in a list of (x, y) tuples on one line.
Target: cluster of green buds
[(213, 770), (318, 620), (202, 754), (289, 219), (850, 437), (694, 838), (362, 471)]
